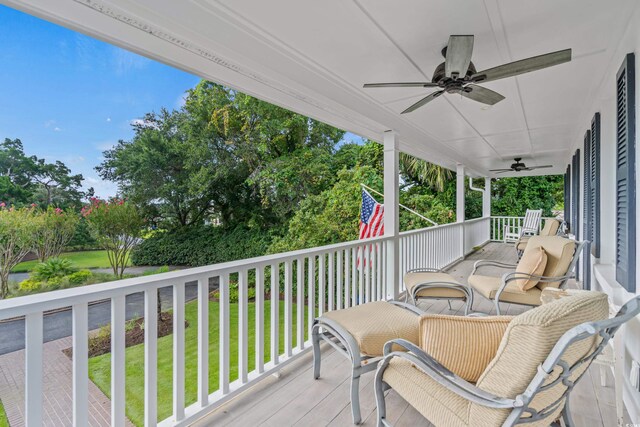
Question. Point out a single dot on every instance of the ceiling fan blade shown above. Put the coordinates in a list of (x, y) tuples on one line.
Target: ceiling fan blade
[(459, 52), (409, 84), (500, 170), (539, 167), (423, 101), (482, 94), (506, 170), (523, 66)]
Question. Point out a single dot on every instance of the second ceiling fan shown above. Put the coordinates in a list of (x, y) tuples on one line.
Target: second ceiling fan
[(457, 74)]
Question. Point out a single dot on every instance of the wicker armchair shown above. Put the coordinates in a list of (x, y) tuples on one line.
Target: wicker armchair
[(541, 355), (562, 256)]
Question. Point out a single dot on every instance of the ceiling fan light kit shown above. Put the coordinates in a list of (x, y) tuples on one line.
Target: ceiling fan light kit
[(519, 166), (457, 74)]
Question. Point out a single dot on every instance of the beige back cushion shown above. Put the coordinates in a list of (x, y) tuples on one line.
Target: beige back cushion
[(559, 250), (550, 227), (464, 345), (527, 342), (532, 262)]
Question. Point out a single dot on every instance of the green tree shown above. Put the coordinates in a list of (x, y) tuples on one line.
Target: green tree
[(513, 196), (16, 240), (117, 226), (53, 229)]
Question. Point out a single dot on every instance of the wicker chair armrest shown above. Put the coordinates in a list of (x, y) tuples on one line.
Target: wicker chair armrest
[(444, 376)]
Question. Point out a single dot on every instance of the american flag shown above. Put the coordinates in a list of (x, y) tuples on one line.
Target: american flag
[(371, 217)]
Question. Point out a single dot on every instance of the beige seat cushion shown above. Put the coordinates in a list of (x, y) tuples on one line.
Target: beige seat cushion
[(436, 403), (464, 345), (527, 342), (413, 279), (488, 286), (375, 323), (532, 262), (559, 250)]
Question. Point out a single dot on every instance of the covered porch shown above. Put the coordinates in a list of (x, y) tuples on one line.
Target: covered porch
[(294, 398)]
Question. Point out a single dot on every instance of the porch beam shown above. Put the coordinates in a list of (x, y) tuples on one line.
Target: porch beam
[(391, 213), (486, 198)]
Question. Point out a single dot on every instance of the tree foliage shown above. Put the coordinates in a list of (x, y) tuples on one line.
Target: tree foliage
[(28, 179), (53, 230), (16, 240), (117, 226)]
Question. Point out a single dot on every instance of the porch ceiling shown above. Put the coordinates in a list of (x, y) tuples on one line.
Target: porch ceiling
[(313, 57)]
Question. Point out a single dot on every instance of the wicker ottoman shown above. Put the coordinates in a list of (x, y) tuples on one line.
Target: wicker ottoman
[(359, 333)]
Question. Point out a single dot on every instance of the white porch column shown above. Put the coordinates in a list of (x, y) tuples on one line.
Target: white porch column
[(391, 212), (460, 193), (486, 198)]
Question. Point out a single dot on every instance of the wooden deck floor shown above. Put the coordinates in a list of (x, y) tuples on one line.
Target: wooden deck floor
[(295, 398)]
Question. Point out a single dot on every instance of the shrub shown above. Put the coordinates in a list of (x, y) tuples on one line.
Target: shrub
[(53, 229), (117, 226), (53, 267), (16, 240), (79, 277), (57, 282), (30, 285), (234, 293), (202, 245)]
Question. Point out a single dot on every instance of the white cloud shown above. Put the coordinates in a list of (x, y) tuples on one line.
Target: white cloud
[(108, 119), (143, 123), (56, 129), (103, 189), (182, 99), (125, 61), (105, 145)]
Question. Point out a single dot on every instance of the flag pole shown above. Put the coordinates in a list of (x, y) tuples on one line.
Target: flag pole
[(400, 204)]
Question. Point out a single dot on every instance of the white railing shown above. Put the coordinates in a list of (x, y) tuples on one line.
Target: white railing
[(476, 233), (291, 289), (498, 224)]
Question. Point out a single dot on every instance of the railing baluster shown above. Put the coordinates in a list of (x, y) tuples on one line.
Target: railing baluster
[(331, 284), (347, 277), (339, 274), (203, 341), (311, 294), (356, 264), (33, 369), (80, 326), (275, 313), (321, 284), (118, 305), (361, 267), (178, 351), (259, 310), (243, 327), (224, 333), (300, 304), (150, 357), (288, 308)]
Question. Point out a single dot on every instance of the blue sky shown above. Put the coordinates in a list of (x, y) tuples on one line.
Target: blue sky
[(69, 97)]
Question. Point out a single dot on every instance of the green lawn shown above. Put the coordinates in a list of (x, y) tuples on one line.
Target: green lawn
[(82, 259), (3, 417), (100, 366)]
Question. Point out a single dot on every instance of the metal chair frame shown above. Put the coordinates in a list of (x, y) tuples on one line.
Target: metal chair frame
[(339, 338), (521, 410), (468, 298), (513, 275)]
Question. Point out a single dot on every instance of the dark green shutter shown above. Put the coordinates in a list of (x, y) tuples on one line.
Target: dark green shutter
[(567, 196), (625, 175), (586, 194), (594, 186), (575, 200)]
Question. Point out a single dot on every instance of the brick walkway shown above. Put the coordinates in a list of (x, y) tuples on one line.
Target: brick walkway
[(57, 399)]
